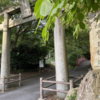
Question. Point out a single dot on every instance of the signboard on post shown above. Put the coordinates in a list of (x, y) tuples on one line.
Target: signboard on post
[(41, 64), (25, 9)]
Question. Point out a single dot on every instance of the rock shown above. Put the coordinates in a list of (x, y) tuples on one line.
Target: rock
[(94, 34), (90, 86), (71, 92)]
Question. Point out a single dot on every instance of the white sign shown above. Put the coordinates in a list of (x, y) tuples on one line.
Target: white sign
[(41, 63)]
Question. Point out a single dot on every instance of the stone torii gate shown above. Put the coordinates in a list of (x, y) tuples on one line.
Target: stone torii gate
[(28, 16), (6, 26)]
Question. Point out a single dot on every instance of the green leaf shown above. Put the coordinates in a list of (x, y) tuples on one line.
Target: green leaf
[(95, 6), (85, 2), (88, 2), (82, 25), (37, 8), (92, 2), (56, 8), (61, 4), (80, 16), (54, 11), (38, 25), (65, 17), (38, 15), (52, 26), (44, 31), (45, 7), (89, 8), (98, 1), (76, 29), (71, 5), (78, 10), (47, 36), (98, 17), (56, 1)]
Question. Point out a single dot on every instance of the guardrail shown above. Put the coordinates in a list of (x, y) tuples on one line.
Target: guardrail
[(71, 83), (53, 82), (9, 82), (77, 79)]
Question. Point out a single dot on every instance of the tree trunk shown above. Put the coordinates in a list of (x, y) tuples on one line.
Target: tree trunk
[(60, 58)]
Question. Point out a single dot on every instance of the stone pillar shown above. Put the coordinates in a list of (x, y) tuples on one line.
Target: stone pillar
[(94, 27), (5, 58), (60, 58)]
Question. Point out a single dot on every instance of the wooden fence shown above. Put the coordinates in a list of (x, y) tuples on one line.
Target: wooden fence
[(71, 84), (76, 79), (53, 82), (3, 82)]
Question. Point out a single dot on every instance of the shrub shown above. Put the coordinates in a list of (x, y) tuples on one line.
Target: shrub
[(72, 97)]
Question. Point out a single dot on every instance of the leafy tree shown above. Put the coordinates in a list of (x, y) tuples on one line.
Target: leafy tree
[(4, 4), (77, 48), (28, 46), (25, 57), (74, 12)]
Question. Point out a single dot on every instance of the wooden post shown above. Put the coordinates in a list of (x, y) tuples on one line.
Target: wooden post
[(19, 79), (3, 84), (41, 86), (71, 84), (82, 76), (39, 70)]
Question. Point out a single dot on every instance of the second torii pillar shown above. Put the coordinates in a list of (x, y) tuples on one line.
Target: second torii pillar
[(60, 58), (5, 58)]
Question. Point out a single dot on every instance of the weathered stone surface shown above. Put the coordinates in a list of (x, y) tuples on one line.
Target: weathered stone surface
[(71, 92), (60, 58), (94, 27), (1, 27), (25, 9), (90, 86)]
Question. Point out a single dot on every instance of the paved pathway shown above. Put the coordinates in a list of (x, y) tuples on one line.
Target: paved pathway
[(30, 87), (28, 91)]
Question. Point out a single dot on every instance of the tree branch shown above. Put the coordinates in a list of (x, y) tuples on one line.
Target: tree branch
[(17, 35)]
